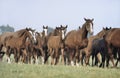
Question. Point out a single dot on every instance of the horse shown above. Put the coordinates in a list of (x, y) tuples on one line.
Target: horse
[(14, 43), (38, 48), (99, 46), (55, 43), (55, 32), (87, 51), (74, 39), (112, 39)]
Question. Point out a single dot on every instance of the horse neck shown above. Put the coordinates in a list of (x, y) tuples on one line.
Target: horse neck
[(101, 34), (23, 38), (83, 31)]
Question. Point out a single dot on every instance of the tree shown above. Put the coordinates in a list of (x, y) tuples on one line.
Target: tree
[(6, 28), (50, 29)]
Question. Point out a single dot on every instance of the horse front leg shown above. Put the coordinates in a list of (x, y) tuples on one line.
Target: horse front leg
[(111, 56), (72, 54), (42, 56), (36, 57), (18, 54), (87, 58), (8, 55), (57, 56), (77, 56), (63, 57)]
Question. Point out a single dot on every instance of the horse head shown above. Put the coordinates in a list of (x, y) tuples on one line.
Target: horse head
[(31, 35), (45, 30), (89, 25), (63, 30)]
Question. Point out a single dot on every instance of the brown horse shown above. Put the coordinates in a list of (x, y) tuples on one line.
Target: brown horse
[(75, 38), (38, 48), (112, 39), (14, 43), (55, 32), (55, 43), (88, 49)]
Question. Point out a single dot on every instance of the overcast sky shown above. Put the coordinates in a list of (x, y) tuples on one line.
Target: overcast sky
[(36, 13)]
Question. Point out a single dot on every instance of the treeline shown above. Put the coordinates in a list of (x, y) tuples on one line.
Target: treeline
[(6, 28)]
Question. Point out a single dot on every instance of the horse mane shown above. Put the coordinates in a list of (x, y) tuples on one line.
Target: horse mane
[(83, 30), (21, 32)]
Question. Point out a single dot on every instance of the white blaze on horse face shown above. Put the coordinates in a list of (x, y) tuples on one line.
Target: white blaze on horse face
[(33, 35), (91, 29), (63, 35), (45, 32)]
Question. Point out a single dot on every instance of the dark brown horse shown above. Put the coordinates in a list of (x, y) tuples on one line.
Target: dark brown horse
[(112, 39), (14, 43), (55, 43), (88, 49), (75, 38)]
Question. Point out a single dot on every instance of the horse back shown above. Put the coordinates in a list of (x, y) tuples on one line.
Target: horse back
[(113, 37)]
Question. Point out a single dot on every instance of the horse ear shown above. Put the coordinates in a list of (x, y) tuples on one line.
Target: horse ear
[(56, 27), (103, 28), (110, 28), (33, 30), (85, 19), (43, 26), (61, 25), (107, 28), (66, 26), (79, 27), (27, 29), (47, 27), (93, 19)]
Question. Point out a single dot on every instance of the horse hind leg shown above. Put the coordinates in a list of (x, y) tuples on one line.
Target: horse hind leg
[(118, 59), (42, 56)]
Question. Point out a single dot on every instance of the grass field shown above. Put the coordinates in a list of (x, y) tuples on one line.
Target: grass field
[(47, 71)]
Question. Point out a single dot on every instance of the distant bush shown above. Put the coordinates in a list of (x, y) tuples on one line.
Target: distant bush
[(6, 28)]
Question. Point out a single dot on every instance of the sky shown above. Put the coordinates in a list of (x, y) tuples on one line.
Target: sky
[(36, 13)]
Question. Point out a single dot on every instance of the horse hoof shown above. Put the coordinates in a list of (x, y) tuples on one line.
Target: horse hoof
[(77, 64)]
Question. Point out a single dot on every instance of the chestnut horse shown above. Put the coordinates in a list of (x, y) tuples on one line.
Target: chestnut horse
[(38, 48), (55, 43), (74, 39), (112, 39), (55, 32), (14, 43)]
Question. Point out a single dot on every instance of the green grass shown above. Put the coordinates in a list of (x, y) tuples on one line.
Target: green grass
[(47, 71)]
